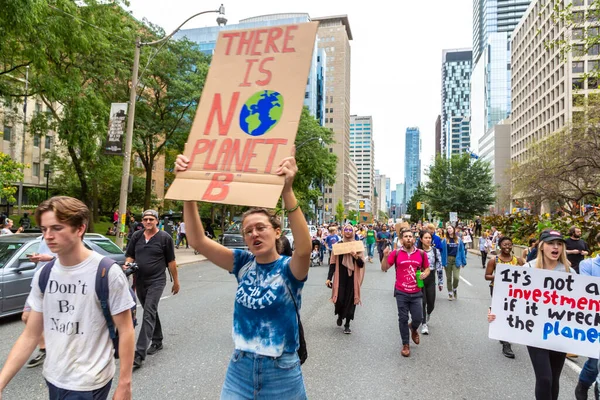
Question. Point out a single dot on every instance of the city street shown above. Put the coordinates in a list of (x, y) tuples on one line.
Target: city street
[(456, 361)]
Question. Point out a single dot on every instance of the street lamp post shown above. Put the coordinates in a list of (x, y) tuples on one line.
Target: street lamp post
[(131, 115), (47, 174)]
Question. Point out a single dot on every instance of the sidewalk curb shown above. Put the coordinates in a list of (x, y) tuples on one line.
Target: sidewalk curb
[(188, 262)]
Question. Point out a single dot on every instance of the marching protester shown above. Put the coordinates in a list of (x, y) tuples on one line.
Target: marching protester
[(548, 364), (589, 372), (274, 302), (505, 256), (484, 247), (528, 251), (577, 248), (152, 250), (5, 228), (80, 365), (454, 257), (435, 264), (412, 266), (371, 234), (383, 241), (348, 274)]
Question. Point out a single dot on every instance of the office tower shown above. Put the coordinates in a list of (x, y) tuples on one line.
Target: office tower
[(314, 98), (334, 38), (494, 147), (438, 136), (388, 192), (548, 103), (412, 163), (401, 199), (456, 96), (493, 24), (362, 152)]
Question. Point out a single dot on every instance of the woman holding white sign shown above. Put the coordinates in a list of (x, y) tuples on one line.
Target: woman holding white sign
[(265, 362), (547, 364), (347, 273)]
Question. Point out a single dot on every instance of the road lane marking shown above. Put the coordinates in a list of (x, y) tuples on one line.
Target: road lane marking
[(162, 298), (466, 281)]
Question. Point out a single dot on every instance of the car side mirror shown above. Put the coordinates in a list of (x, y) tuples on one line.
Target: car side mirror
[(25, 266)]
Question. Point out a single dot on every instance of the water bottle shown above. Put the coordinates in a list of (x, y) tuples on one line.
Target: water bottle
[(420, 283)]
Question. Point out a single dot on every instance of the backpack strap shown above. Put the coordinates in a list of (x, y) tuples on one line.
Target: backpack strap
[(45, 276), (102, 293)]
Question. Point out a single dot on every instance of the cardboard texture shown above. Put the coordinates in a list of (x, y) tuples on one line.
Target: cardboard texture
[(248, 116), (348, 247)]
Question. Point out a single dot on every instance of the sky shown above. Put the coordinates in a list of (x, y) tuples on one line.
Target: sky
[(395, 65)]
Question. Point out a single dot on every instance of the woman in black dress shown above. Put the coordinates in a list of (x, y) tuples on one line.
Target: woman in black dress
[(347, 273)]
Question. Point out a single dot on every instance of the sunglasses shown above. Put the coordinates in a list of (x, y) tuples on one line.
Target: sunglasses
[(348, 230), (147, 219)]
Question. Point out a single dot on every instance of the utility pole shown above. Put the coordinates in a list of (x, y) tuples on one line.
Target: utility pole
[(20, 197)]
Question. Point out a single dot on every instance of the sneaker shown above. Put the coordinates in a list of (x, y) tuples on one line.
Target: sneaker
[(450, 296), (581, 393), (339, 321), (405, 351), (137, 361), (507, 350), (154, 348), (425, 329), (347, 330), (37, 360)]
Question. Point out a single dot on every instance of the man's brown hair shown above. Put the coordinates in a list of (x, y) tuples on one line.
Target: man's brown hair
[(68, 210)]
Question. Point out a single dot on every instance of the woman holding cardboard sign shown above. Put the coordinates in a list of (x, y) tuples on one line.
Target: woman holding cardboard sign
[(265, 362), (347, 273)]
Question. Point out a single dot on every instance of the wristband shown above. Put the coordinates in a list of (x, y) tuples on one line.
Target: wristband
[(291, 210)]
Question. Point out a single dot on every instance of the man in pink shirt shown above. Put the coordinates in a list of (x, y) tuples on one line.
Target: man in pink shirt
[(408, 260)]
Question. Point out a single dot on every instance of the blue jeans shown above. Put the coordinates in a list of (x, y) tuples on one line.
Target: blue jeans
[(63, 394), (251, 376), (370, 249), (589, 372)]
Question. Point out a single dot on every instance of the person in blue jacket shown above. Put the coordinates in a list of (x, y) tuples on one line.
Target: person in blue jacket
[(454, 257)]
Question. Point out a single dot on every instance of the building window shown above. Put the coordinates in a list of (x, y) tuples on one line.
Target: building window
[(36, 169), (306, 95), (578, 33), (38, 108), (594, 50), (46, 169), (153, 184), (331, 120), (48, 144), (578, 83), (578, 50), (592, 83), (8, 133), (331, 150), (36, 141)]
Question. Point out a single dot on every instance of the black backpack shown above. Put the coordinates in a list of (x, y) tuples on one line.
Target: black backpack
[(101, 292)]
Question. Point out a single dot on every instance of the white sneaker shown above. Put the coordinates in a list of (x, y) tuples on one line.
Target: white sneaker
[(424, 329)]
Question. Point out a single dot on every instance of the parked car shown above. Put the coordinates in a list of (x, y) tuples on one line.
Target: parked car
[(232, 237), (288, 234), (16, 271), (312, 230)]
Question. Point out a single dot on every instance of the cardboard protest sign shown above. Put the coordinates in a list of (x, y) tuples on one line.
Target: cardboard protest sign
[(348, 247), (547, 309), (248, 116)]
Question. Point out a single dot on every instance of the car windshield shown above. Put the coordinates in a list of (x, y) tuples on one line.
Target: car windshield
[(235, 228), (108, 246), (7, 250)]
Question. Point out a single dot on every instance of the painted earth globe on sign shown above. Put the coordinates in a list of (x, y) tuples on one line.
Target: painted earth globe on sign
[(261, 112)]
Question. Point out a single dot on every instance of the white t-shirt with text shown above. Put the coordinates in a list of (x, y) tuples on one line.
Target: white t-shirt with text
[(79, 351)]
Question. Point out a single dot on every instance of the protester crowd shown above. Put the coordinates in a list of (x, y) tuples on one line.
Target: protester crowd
[(270, 281)]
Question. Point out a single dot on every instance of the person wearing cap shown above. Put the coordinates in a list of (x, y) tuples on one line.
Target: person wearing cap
[(548, 364), (153, 251)]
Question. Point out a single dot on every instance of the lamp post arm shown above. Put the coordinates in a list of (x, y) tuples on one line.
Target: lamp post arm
[(178, 28)]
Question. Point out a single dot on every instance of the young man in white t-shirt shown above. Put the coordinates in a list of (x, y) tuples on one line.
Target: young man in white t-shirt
[(79, 361)]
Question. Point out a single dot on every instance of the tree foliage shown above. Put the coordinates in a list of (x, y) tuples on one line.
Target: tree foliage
[(459, 184), (172, 86), (340, 211), (10, 172), (564, 168), (411, 207)]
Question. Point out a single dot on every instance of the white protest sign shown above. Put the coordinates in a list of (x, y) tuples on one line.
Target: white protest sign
[(547, 309), (453, 217)]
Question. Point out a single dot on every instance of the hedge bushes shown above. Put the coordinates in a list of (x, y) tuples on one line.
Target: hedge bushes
[(523, 227)]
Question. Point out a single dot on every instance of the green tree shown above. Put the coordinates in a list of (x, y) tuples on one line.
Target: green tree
[(383, 216), (340, 211), (10, 173), (411, 207), (316, 165), (459, 184), (172, 86), (353, 215)]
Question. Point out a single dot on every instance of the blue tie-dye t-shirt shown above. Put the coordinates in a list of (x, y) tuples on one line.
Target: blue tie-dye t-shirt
[(264, 317)]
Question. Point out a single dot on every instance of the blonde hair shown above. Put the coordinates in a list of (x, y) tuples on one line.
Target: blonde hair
[(541, 263)]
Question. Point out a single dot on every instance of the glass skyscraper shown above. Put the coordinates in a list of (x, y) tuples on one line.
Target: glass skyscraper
[(314, 98), (456, 99), (412, 163), (493, 24)]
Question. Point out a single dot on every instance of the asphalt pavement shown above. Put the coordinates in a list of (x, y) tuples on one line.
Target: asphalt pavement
[(456, 361)]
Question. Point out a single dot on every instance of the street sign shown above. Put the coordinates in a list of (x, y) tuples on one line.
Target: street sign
[(116, 125)]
